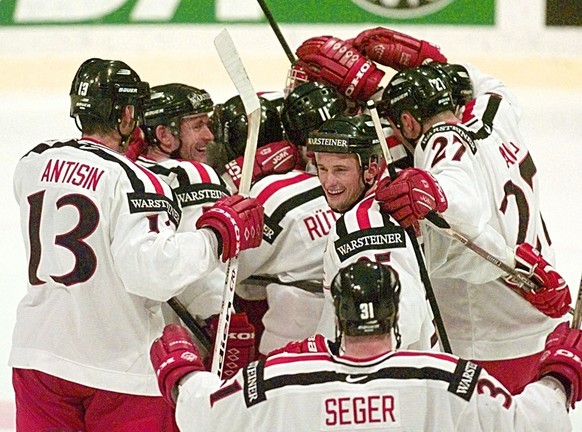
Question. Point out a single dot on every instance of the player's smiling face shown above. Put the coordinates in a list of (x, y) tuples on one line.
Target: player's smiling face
[(340, 176), (195, 135)]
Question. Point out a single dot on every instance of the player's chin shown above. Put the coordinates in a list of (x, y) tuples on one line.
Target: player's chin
[(337, 201)]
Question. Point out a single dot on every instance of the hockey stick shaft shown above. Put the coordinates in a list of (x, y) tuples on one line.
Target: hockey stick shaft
[(438, 319), (190, 322), (577, 314), (277, 30), (235, 68)]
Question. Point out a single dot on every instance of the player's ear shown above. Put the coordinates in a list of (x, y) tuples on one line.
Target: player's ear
[(371, 173), (128, 120)]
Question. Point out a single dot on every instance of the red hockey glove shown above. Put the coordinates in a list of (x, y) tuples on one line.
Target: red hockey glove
[(553, 298), (137, 144), (396, 50), (240, 346), (174, 355), (312, 344), (238, 222), (411, 196), (562, 359), (333, 61), (277, 157)]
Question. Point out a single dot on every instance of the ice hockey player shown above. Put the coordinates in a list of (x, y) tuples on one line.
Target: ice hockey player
[(364, 383)]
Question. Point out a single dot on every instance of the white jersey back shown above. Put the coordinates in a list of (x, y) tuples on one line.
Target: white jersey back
[(401, 391), (365, 232), (102, 253), (491, 185)]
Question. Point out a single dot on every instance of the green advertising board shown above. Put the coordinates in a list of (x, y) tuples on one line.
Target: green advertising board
[(63, 12)]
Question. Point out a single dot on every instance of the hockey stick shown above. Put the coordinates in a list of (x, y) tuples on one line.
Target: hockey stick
[(236, 70), (190, 322), (277, 30), (439, 222), (438, 319), (577, 314)]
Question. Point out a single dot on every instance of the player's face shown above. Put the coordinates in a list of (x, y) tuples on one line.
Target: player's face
[(195, 135), (340, 176)]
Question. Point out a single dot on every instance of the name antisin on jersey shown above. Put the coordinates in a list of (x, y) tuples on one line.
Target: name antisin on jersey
[(387, 237)]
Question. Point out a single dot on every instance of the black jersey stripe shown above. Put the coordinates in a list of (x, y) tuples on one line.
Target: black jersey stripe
[(488, 117), (340, 227), (294, 202), (261, 386)]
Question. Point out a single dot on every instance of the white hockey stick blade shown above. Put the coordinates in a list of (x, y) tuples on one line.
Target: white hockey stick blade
[(236, 70), (234, 66)]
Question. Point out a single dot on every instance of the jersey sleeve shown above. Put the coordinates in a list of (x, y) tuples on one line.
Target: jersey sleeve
[(448, 153), (152, 259)]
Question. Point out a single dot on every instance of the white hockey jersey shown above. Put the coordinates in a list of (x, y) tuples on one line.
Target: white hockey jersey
[(297, 222), (102, 254), (196, 185), (364, 231), (404, 391), (491, 185)]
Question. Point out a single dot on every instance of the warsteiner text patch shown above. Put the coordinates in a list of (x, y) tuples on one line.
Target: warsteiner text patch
[(147, 202), (388, 237)]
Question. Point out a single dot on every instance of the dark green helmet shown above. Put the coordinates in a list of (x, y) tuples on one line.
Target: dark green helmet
[(307, 107), (366, 296), (422, 91), (347, 134), (169, 103), (102, 88), (459, 80), (230, 125)]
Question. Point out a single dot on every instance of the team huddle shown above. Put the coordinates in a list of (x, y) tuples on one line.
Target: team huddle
[(356, 305)]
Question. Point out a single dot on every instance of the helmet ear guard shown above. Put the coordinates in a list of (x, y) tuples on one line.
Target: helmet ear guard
[(366, 296)]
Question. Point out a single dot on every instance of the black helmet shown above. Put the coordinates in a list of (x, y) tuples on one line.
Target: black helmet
[(307, 107), (459, 80), (169, 103), (102, 88), (347, 134), (422, 91), (230, 125), (366, 296)]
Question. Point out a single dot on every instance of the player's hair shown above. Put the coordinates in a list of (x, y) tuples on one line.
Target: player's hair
[(354, 134), (366, 296), (307, 107), (168, 104), (100, 90), (422, 91), (229, 125)]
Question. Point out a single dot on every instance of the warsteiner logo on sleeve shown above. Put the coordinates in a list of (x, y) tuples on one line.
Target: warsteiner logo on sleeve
[(200, 193), (148, 202), (388, 237)]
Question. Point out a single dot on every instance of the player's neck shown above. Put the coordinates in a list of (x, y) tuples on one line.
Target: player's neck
[(364, 347), (112, 141)]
